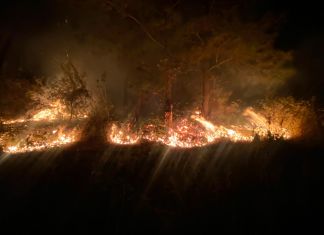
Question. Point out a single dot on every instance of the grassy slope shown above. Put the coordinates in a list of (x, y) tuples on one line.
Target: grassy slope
[(260, 188)]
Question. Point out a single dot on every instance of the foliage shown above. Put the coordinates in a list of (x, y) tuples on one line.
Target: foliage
[(103, 106), (69, 89), (14, 100), (296, 116), (237, 51)]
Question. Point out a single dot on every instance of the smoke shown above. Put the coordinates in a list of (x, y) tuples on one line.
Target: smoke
[(105, 45)]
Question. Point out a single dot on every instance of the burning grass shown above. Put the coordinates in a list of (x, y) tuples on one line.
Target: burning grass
[(55, 111), (60, 109), (40, 138), (283, 118), (196, 131), (43, 131), (55, 125)]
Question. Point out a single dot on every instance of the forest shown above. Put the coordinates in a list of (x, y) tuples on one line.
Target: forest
[(164, 116)]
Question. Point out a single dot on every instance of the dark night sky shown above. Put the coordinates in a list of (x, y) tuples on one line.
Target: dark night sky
[(304, 19), (302, 31)]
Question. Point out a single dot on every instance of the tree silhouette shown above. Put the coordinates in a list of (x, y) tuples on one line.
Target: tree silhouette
[(223, 47)]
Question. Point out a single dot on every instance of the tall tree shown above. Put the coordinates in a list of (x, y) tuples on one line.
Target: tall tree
[(224, 47)]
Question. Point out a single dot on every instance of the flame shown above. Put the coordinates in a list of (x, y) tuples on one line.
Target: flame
[(32, 141), (14, 121), (120, 136), (195, 131), (186, 134), (263, 127), (55, 111), (47, 131)]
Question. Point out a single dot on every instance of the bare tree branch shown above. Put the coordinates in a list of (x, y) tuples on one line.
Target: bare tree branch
[(219, 64), (144, 29)]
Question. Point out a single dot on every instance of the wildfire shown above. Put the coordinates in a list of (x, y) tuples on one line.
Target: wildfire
[(44, 130), (197, 132), (40, 139), (62, 104), (121, 136), (263, 127), (55, 111)]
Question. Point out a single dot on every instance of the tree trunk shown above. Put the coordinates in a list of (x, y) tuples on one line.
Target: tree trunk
[(168, 111), (319, 117), (125, 93), (4, 50), (138, 109), (206, 94), (71, 110)]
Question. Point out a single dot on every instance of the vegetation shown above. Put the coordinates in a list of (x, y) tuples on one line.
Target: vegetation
[(159, 73), (258, 188), (68, 89)]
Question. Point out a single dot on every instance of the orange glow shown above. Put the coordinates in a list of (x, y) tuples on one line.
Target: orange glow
[(34, 141), (121, 136), (197, 132), (263, 127), (56, 111), (45, 133)]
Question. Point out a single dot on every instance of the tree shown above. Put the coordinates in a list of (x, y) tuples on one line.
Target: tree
[(170, 70), (4, 47), (297, 117), (69, 90), (223, 47), (218, 46), (75, 93)]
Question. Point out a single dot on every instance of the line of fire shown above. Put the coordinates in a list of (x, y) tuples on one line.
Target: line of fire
[(64, 109), (161, 115), (196, 82)]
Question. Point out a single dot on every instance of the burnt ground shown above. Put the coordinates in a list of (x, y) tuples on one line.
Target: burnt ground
[(259, 188)]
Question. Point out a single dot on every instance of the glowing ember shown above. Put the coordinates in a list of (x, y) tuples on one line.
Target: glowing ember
[(120, 136), (56, 111), (46, 132), (43, 139), (195, 131), (188, 134), (263, 127), (9, 122)]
